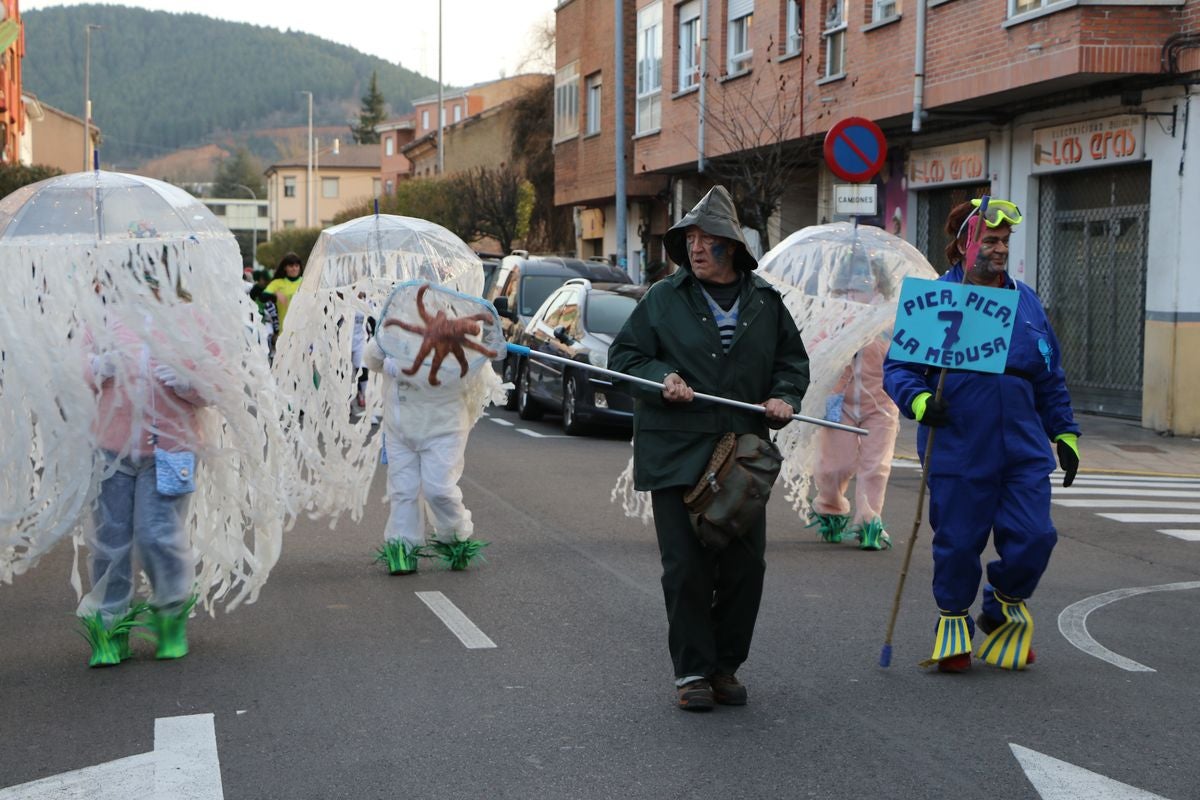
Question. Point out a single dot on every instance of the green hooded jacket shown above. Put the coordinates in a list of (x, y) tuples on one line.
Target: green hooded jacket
[(673, 330)]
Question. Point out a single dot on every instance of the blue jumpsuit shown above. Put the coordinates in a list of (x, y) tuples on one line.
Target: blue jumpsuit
[(989, 472)]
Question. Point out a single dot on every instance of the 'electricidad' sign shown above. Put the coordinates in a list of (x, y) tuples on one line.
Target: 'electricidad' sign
[(953, 325)]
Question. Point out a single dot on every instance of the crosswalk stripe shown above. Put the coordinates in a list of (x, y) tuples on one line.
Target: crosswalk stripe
[(1133, 479), (1191, 519), (454, 619), (1133, 485), (1059, 491), (1182, 504), (1187, 536)]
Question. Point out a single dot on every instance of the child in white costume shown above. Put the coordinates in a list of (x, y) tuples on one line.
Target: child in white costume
[(425, 438)]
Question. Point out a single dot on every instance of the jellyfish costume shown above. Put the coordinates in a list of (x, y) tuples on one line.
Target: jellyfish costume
[(403, 273), (139, 411)]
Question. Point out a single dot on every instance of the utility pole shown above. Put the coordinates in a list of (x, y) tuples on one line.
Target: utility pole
[(307, 186), (441, 112), (87, 95), (619, 131)]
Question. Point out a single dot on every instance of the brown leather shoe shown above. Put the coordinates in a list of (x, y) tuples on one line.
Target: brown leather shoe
[(728, 690), (696, 696)]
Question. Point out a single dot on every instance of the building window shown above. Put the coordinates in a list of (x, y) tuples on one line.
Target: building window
[(741, 15), (883, 9), (329, 187), (391, 185), (289, 223), (835, 38), (289, 187), (389, 146), (217, 209), (593, 104), (262, 211), (566, 102), (689, 45), (457, 113), (425, 120), (649, 68), (1016, 7), (793, 41), (376, 184)]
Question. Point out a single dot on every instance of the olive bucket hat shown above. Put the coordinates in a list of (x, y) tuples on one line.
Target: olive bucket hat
[(715, 215)]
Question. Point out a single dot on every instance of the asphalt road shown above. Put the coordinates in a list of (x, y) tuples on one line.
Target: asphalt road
[(340, 682)]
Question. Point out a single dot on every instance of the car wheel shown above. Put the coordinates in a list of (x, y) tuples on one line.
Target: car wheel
[(527, 407), (511, 376), (570, 406)]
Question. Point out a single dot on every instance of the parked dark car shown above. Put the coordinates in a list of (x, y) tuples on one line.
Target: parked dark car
[(523, 283), (578, 321)]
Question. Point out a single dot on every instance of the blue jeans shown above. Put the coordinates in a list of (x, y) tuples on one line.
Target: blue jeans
[(130, 511)]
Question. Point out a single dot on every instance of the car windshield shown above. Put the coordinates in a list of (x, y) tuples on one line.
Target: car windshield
[(535, 289), (606, 313)]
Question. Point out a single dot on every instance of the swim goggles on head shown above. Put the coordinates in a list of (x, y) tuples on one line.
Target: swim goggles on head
[(998, 212)]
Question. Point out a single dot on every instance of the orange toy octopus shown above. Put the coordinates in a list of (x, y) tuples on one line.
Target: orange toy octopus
[(444, 336)]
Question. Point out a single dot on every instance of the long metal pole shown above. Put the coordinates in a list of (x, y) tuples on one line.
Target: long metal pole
[(919, 70), (619, 131), (522, 350), (702, 105), (308, 188), (441, 112)]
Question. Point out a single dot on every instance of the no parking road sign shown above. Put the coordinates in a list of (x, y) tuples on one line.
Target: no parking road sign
[(855, 149)]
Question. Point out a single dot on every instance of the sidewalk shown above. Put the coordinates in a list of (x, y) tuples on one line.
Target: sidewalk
[(1109, 445)]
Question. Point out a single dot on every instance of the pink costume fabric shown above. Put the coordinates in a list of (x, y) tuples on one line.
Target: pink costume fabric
[(844, 455)]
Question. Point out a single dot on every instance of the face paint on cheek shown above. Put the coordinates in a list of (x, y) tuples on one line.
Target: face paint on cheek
[(719, 249)]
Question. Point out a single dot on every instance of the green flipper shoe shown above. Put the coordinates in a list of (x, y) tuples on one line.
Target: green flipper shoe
[(171, 630), (400, 556), (459, 555), (831, 527), (110, 646), (872, 536)]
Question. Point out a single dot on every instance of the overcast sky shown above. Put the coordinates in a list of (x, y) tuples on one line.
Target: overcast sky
[(481, 38)]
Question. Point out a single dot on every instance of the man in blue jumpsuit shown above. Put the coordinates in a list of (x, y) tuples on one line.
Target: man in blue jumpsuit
[(989, 470)]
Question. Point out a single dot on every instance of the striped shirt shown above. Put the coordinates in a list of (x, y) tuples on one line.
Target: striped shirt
[(726, 320)]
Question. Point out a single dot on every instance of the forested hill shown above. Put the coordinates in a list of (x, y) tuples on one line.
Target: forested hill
[(161, 80)]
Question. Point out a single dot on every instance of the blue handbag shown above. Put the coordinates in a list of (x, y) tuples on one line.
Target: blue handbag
[(174, 473)]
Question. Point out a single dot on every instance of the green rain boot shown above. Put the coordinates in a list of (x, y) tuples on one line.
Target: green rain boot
[(400, 556), (170, 630), (458, 555), (110, 646), (872, 536), (831, 526)]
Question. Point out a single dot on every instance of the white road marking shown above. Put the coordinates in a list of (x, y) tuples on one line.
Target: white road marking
[(1186, 535), (1072, 622), (537, 435), (182, 766), (1059, 492), (454, 619), (501, 421), (1059, 780), (1136, 485), (1131, 479), (1157, 519), (1183, 504)]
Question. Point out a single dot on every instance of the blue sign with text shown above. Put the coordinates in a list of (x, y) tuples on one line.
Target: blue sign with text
[(953, 325)]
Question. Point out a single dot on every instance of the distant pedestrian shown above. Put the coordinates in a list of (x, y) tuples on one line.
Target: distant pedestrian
[(710, 327), (991, 457), (286, 283)]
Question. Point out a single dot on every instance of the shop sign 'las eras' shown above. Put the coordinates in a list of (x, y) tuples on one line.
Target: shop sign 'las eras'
[(1089, 143)]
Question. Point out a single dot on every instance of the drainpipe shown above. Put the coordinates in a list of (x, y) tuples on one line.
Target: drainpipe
[(703, 84), (919, 70), (619, 131)]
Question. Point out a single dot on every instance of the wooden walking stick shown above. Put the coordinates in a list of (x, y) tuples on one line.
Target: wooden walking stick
[(885, 657)]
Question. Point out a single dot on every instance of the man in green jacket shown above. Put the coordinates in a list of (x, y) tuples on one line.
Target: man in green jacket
[(716, 328)]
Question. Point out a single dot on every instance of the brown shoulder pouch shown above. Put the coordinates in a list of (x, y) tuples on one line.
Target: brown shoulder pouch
[(733, 489)]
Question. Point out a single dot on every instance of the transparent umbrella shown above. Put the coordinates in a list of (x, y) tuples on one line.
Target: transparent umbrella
[(841, 283), (87, 258), (351, 276)]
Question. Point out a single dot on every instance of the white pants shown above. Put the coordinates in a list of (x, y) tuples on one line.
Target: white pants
[(428, 469)]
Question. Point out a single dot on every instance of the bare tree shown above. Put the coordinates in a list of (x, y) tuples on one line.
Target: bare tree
[(532, 148), (755, 123), (495, 202)]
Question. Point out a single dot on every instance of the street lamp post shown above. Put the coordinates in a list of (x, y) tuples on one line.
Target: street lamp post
[(87, 94), (308, 187), (254, 239), (335, 149)]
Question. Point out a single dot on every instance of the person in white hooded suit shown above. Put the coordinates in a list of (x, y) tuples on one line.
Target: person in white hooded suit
[(425, 438)]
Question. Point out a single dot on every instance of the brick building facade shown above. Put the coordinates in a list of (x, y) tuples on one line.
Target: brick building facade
[(1075, 109)]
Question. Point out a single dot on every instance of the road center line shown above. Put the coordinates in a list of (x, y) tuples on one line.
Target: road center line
[(454, 619), (1072, 622)]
